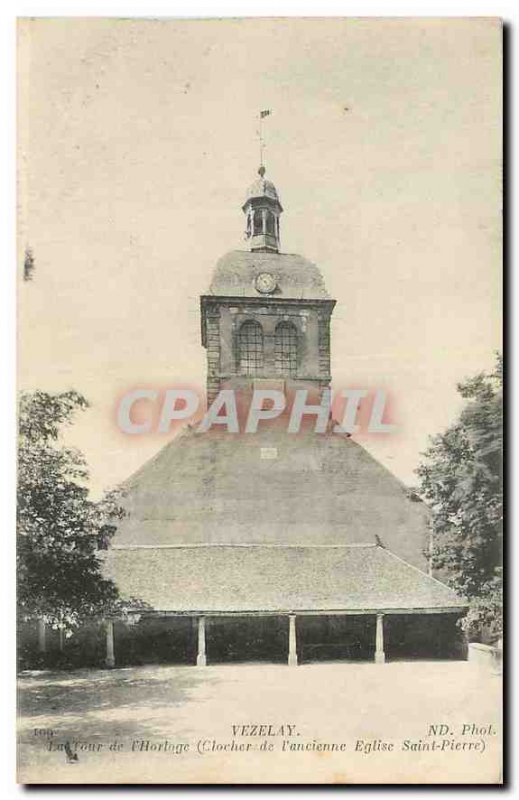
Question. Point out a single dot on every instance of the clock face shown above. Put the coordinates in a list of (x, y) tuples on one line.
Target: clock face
[(265, 283)]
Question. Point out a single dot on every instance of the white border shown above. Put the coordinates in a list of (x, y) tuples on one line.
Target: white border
[(263, 8), (506, 9)]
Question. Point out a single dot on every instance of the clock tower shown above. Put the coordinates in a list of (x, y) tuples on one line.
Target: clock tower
[(266, 315)]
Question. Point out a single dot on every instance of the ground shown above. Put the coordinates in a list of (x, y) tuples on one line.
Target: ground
[(103, 714)]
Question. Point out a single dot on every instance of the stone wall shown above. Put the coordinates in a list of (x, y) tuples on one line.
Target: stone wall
[(221, 324)]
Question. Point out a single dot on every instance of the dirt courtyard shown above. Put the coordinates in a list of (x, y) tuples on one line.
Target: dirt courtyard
[(251, 723)]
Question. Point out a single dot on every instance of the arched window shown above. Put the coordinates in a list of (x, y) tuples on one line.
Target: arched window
[(250, 348), (271, 223), (258, 222), (286, 349)]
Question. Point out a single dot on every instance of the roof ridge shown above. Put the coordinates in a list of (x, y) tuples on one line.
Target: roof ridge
[(238, 544), (417, 569)]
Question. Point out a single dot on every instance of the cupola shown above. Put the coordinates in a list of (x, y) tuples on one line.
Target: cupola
[(262, 210)]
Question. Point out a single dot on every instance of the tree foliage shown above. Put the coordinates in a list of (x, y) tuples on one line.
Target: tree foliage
[(461, 478), (59, 527)]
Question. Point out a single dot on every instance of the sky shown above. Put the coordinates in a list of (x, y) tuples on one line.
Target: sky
[(137, 141)]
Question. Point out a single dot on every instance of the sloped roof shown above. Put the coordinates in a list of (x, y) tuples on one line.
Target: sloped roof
[(231, 578), (297, 278), (271, 488)]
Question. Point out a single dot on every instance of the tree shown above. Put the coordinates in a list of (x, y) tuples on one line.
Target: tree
[(461, 479), (59, 528)]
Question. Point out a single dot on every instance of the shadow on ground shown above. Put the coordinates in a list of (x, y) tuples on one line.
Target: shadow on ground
[(98, 710), (97, 703)]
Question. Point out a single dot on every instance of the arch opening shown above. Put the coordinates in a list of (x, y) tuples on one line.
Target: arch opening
[(286, 349), (250, 348)]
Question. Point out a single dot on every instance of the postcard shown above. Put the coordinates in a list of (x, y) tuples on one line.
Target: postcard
[(260, 401)]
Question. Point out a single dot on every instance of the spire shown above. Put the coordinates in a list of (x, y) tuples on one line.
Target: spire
[(262, 210)]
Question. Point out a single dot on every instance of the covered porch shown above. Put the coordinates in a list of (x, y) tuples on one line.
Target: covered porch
[(290, 638), (212, 604)]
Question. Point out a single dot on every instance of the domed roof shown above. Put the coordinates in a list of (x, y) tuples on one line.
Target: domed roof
[(262, 188), (296, 277)]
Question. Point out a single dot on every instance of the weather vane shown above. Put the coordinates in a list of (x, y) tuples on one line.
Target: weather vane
[(262, 115)]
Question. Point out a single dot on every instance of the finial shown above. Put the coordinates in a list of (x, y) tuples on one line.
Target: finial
[(261, 171)]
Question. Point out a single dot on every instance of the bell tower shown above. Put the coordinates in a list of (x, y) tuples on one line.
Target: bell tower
[(266, 316), (262, 210)]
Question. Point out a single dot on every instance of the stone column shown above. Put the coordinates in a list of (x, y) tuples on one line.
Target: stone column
[(264, 220), (110, 655), (292, 641), (201, 660), (42, 643), (380, 656)]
